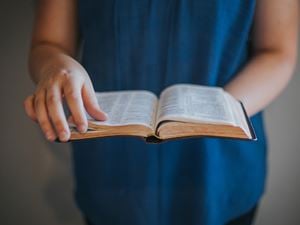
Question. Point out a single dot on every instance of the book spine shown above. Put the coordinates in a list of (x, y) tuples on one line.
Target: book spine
[(153, 140)]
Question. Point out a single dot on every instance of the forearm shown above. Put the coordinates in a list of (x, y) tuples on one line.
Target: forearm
[(262, 79)]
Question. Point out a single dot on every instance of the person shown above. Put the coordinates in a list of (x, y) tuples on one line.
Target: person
[(247, 47)]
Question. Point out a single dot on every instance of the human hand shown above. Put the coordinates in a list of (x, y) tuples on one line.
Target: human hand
[(63, 78)]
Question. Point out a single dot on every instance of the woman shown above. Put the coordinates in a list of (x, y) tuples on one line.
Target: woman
[(246, 46)]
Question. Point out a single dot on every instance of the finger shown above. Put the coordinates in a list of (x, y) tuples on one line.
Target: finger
[(29, 107), (72, 93), (56, 113), (91, 103), (42, 116)]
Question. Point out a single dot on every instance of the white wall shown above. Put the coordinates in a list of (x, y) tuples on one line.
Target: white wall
[(35, 176)]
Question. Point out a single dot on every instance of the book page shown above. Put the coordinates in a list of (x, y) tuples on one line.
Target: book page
[(194, 103), (127, 108), (238, 114)]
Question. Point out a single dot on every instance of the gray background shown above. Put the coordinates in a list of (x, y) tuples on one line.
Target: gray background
[(35, 176)]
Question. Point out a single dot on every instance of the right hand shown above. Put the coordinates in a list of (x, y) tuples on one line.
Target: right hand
[(58, 81)]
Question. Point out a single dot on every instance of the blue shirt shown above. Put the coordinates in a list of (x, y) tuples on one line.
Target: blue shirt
[(151, 44)]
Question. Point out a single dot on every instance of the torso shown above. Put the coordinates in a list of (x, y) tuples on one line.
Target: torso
[(151, 44)]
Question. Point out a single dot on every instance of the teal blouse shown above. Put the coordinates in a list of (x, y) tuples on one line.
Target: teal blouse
[(151, 44)]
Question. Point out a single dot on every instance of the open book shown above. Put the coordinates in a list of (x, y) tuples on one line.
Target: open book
[(182, 110)]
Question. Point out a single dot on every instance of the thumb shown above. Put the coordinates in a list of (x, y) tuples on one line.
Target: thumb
[(91, 104)]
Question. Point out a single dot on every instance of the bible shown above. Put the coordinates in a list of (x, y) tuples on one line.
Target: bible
[(181, 111)]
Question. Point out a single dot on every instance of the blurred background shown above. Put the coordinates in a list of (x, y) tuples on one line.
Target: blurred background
[(36, 176)]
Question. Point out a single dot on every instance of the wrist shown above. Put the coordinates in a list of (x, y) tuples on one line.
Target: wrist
[(45, 60)]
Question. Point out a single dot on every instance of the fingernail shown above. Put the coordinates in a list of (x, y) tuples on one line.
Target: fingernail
[(63, 136), (106, 115), (49, 136), (82, 128)]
